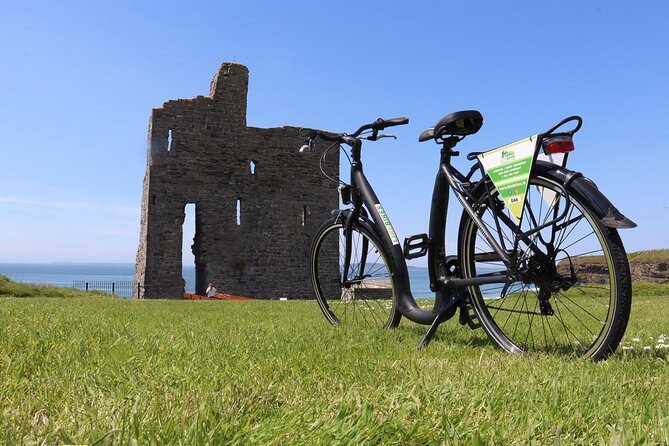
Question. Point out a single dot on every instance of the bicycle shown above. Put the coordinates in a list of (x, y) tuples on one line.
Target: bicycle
[(529, 233)]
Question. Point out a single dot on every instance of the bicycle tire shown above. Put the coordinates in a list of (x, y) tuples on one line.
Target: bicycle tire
[(371, 300), (588, 318)]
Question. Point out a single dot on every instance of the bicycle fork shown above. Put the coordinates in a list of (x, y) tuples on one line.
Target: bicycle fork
[(348, 247)]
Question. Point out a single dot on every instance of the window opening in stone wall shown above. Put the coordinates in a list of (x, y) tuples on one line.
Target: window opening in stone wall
[(253, 168), (153, 199), (189, 235), (304, 215), (169, 140), (239, 211)]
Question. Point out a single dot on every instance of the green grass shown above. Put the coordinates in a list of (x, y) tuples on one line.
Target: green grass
[(651, 256), (650, 289), (112, 371), (9, 288)]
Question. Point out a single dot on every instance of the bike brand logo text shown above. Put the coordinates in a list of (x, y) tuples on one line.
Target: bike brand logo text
[(508, 155)]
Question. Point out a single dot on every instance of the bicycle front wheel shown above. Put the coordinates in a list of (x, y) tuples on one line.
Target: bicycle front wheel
[(365, 295), (571, 291)]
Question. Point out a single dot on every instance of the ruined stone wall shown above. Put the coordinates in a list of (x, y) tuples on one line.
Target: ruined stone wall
[(650, 272), (640, 272), (201, 151)]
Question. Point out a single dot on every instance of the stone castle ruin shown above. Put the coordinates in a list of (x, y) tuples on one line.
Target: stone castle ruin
[(257, 199)]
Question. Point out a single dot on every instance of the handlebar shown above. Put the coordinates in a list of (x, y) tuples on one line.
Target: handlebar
[(381, 124), (375, 126)]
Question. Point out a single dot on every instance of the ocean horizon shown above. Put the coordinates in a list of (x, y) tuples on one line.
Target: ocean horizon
[(67, 274)]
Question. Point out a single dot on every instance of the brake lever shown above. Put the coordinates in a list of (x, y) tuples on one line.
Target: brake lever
[(377, 137), (308, 146)]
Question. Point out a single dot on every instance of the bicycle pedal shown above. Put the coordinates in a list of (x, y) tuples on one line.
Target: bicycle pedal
[(416, 246), (468, 317)]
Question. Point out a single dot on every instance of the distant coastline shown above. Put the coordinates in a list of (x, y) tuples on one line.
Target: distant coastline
[(64, 274)]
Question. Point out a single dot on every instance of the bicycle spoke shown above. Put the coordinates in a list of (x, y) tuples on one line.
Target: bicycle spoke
[(511, 313), (580, 287), (577, 241), (560, 319), (573, 314), (565, 235), (593, 297), (519, 317), (575, 317), (579, 306), (493, 230), (481, 237), (529, 320), (362, 313), (569, 221), (375, 310), (583, 254), (366, 296), (543, 326)]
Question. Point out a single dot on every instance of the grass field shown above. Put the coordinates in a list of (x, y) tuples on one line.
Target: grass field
[(99, 370)]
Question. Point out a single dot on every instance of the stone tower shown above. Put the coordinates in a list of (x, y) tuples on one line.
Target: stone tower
[(258, 201)]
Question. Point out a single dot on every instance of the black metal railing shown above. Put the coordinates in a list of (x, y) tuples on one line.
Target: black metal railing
[(123, 288)]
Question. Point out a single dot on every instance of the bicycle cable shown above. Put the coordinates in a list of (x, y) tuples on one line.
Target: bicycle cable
[(324, 154), (322, 161)]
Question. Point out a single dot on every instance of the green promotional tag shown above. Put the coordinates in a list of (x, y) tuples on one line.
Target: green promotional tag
[(386, 223), (509, 169)]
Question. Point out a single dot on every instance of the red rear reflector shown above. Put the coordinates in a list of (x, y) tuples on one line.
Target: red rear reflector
[(558, 145)]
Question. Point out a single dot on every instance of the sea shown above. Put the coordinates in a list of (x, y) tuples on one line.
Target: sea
[(102, 275)]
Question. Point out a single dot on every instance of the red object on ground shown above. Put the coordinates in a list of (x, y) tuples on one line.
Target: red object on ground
[(218, 296)]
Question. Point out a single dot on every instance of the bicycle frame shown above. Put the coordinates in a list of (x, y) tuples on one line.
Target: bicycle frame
[(446, 286)]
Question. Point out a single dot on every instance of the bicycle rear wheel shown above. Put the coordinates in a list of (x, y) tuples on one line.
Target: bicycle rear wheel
[(366, 296), (571, 291)]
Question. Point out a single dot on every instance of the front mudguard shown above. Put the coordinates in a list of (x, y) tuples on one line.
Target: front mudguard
[(607, 213)]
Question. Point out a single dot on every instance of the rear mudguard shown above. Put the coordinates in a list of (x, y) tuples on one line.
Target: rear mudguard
[(585, 188)]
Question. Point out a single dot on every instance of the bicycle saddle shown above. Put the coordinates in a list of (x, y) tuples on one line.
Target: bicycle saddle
[(460, 123)]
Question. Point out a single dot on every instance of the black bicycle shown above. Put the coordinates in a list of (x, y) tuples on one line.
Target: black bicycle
[(540, 265)]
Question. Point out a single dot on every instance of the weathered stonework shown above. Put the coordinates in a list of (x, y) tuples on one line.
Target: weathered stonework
[(640, 272), (201, 151), (650, 272)]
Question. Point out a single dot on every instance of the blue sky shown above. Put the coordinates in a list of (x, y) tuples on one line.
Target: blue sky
[(79, 80)]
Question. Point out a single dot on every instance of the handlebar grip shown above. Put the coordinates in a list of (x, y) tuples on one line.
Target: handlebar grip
[(381, 124)]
